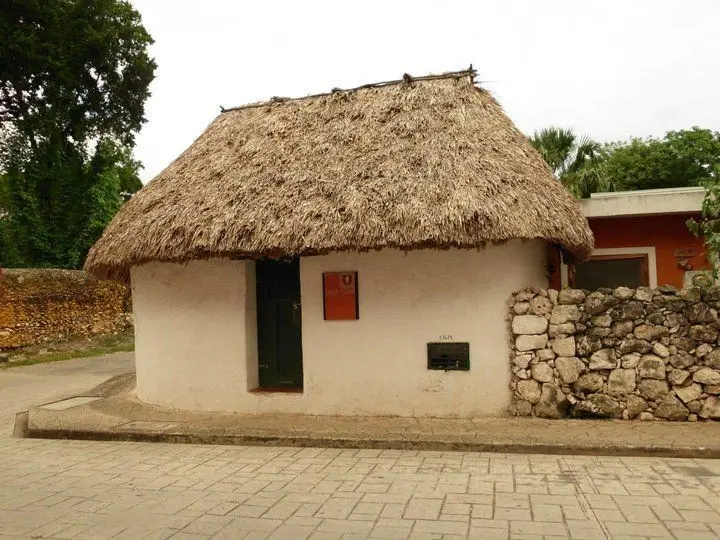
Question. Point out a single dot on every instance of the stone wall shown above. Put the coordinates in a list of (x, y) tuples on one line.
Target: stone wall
[(623, 353), (43, 305)]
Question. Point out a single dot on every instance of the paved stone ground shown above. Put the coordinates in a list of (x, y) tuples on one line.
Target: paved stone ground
[(23, 387), (81, 489)]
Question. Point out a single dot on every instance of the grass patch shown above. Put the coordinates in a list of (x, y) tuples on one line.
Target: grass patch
[(67, 350)]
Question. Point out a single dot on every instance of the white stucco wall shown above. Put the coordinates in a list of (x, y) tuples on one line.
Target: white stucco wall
[(194, 332), (196, 346)]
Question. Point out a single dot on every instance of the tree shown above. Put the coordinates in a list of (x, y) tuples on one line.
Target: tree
[(709, 224), (575, 160), (682, 158), (74, 77), (57, 207), (79, 67)]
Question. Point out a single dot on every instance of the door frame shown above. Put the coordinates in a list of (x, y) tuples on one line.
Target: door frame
[(619, 253), (260, 315)]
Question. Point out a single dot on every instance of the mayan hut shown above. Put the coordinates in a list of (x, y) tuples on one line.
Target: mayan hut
[(348, 253)]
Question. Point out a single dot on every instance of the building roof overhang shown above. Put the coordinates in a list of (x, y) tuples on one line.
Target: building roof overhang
[(686, 200)]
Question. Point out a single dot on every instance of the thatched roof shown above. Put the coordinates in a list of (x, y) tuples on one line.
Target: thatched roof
[(430, 162)]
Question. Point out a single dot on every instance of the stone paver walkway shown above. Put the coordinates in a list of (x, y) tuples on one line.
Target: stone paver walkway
[(86, 489), (80, 489), (23, 387)]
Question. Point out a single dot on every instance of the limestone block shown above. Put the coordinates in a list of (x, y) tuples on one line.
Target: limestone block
[(688, 393), (589, 382), (598, 332), (544, 355), (522, 408), (678, 376), (644, 294), (661, 350), (671, 409), (711, 408), (630, 360), (529, 324), (681, 360), (651, 367), (650, 333), (635, 405), (540, 305), (524, 296), (653, 389), (683, 343), (602, 320), (566, 329), (623, 293), (541, 372), (522, 360), (598, 406), (700, 313), (586, 345), (621, 382), (530, 343), (631, 310), (629, 345), (597, 302), (553, 295), (564, 346), (713, 359), (707, 375), (565, 313), (692, 294), (569, 369), (552, 404), (704, 333), (529, 390), (571, 296), (603, 359), (621, 329), (675, 319)]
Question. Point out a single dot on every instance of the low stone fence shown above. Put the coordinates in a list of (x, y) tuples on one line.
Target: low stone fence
[(622, 353), (42, 305)]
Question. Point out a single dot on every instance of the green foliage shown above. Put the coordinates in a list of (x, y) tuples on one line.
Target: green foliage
[(57, 207), (74, 78), (576, 161), (709, 225), (681, 158), (80, 67)]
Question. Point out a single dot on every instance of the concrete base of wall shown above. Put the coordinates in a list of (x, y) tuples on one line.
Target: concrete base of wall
[(123, 417)]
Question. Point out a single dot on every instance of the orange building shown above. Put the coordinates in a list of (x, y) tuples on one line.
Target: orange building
[(641, 238)]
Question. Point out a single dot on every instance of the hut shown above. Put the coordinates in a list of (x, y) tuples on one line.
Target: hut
[(350, 253)]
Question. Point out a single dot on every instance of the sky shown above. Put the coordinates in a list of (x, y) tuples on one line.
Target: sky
[(612, 69)]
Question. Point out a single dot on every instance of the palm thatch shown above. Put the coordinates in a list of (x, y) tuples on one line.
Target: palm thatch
[(430, 162)]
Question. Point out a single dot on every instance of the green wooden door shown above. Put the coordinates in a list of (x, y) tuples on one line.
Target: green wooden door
[(279, 324)]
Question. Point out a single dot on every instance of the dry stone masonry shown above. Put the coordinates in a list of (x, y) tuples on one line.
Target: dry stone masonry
[(640, 354), (42, 305)]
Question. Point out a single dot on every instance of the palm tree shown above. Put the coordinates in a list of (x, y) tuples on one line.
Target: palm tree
[(575, 160)]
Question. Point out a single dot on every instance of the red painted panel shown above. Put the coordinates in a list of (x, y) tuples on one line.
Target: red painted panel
[(667, 233), (340, 296)]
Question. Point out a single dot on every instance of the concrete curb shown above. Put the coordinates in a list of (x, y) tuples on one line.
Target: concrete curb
[(390, 444), (117, 415)]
